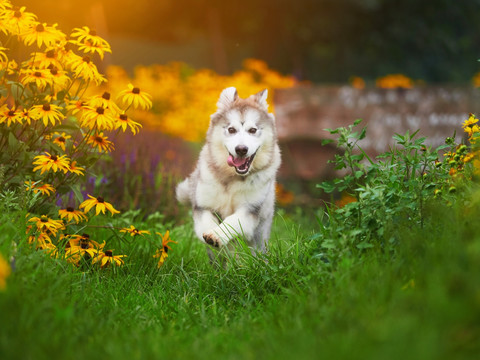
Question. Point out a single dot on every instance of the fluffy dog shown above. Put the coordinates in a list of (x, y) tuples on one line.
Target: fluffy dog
[(232, 189)]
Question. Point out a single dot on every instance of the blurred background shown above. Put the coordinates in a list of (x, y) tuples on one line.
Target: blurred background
[(315, 40), (354, 54)]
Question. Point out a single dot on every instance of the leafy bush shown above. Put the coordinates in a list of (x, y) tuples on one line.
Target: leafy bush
[(395, 191)]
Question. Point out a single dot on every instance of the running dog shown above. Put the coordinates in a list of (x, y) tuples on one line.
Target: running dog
[(232, 189)]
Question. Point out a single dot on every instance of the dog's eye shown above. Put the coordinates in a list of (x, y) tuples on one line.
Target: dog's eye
[(252, 131), (232, 130)]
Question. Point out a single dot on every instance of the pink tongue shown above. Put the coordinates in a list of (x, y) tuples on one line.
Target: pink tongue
[(236, 162)]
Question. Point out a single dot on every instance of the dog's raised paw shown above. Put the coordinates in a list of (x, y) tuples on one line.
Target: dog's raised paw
[(212, 239)]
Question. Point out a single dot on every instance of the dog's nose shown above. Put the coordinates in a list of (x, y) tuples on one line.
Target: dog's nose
[(241, 150)]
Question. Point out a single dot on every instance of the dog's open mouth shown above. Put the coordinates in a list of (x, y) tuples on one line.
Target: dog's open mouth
[(242, 165)]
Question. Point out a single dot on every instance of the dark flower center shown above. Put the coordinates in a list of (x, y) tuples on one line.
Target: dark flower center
[(109, 253), (37, 74), (100, 110), (44, 220), (165, 249), (93, 33), (11, 113), (100, 199), (123, 117), (87, 59), (106, 95), (40, 28), (70, 209), (136, 90), (54, 157), (61, 139), (17, 14), (98, 139), (85, 236), (54, 71), (50, 54), (46, 107), (84, 244)]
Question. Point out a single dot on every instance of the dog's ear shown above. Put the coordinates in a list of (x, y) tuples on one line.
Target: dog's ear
[(227, 97), (261, 99)]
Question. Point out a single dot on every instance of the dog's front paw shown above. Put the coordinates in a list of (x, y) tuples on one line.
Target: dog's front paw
[(212, 239)]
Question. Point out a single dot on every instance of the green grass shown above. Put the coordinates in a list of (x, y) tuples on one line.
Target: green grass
[(421, 301)]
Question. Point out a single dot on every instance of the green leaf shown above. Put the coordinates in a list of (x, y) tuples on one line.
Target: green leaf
[(357, 122)]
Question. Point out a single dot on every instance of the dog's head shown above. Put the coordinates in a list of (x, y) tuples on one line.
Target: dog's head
[(242, 132)]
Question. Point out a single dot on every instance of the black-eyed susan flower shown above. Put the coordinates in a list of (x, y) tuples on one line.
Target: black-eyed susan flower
[(86, 34), (75, 106), (133, 96), (42, 34), (83, 246), (60, 139), (100, 205), (100, 142), (41, 240), (44, 223), (76, 169), (133, 231), (26, 116), (48, 113), (40, 77), (162, 253), (106, 258), (43, 60), (17, 20), (60, 79), (123, 121), (88, 47), (86, 69), (99, 117), (51, 162), (9, 116), (104, 101), (4, 272), (44, 189), (71, 214)]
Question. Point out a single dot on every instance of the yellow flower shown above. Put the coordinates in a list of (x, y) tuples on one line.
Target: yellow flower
[(134, 231), (44, 223), (81, 245), (84, 34), (48, 113), (89, 47), (394, 81), (86, 69), (72, 214), (26, 115), (41, 241), (108, 258), (16, 21), (40, 77), (4, 272), (9, 116), (45, 60), (74, 106), (100, 118), (42, 34), (51, 162), (100, 205), (104, 101), (76, 169), (45, 189), (122, 121), (60, 139), (134, 96), (59, 78), (100, 141), (162, 253)]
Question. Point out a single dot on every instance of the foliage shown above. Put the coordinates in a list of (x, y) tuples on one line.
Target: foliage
[(396, 189), (52, 124)]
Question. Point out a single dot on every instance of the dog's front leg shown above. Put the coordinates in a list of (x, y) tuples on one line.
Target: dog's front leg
[(241, 223), (204, 220)]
